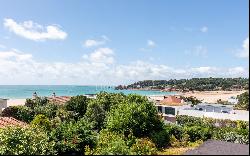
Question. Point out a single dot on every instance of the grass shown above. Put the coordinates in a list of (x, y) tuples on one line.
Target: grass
[(179, 150)]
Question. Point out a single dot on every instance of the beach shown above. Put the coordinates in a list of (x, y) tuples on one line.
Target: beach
[(15, 102), (212, 96)]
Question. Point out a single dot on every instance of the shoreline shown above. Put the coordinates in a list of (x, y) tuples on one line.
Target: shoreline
[(205, 96)]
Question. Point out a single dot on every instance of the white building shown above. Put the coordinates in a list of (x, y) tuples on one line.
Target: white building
[(3, 104), (169, 112)]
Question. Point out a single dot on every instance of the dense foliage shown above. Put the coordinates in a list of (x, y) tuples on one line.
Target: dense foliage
[(199, 84), (243, 102), (110, 124), (25, 141), (22, 113), (207, 128)]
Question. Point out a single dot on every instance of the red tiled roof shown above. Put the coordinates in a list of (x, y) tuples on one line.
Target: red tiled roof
[(59, 99), (10, 121), (171, 100)]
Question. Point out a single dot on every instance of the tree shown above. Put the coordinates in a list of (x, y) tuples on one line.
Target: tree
[(48, 110), (96, 114), (144, 146), (22, 113), (98, 108), (41, 121), (140, 119), (77, 104), (243, 101), (192, 99), (71, 137), (109, 143), (25, 141), (112, 143), (38, 101)]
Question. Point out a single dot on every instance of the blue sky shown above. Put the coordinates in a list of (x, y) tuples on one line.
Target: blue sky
[(128, 40)]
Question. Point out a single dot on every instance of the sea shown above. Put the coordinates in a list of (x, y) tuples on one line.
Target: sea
[(26, 91)]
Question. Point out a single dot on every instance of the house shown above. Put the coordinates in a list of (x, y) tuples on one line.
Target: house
[(10, 121), (3, 104), (60, 100), (169, 107), (172, 101)]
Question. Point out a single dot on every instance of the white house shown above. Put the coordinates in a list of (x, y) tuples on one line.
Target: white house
[(3, 104)]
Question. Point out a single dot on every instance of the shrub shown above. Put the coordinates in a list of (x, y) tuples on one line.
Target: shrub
[(109, 143), (161, 138), (38, 101), (140, 119), (72, 137), (197, 133), (48, 110), (41, 121), (77, 104), (95, 113), (22, 113), (231, 135), (25, 141), (143, 146)]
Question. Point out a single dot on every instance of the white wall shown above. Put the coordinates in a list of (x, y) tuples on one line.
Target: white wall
[(238, 116), (3, 104)]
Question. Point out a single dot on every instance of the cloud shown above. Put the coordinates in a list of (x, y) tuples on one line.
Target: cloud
[(98, 67), (101, 55), (94, 42), (197, 51), (34, 31), (150, 45), (244, 52), (204, 29)]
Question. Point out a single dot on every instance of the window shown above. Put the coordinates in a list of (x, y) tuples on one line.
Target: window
[(169, 110), (159, 109)]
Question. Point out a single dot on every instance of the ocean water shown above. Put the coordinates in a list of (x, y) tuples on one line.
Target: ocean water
[(26, 91)]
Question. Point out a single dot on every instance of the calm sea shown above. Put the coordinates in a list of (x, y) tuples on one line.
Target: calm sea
[(26, 91)]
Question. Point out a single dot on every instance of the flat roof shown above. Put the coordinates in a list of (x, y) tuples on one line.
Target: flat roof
[(216, 147)]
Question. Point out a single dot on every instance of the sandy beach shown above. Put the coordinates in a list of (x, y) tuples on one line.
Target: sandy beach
[(212, 96), (15, 102)]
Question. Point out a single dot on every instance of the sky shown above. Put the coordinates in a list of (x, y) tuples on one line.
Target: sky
[(94, 42)]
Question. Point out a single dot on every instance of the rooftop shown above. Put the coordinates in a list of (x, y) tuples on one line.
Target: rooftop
[(171, 101), (10, 121), (59, 99), (215, 147)]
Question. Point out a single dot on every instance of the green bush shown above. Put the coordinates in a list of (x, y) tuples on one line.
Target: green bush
[(25, 141), (143, 146), (140, 119), (198, 133), (41, 121), (22, 113), (72, 137), (48, 110), (231, 135), (161, 138), (77, 104), (95, 113), (109, 143)]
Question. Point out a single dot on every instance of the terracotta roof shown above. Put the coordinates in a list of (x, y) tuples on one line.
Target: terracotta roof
[(171, 101), (59, 99), (10, 121)]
